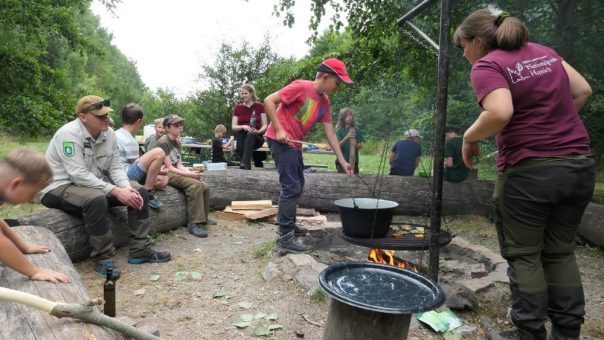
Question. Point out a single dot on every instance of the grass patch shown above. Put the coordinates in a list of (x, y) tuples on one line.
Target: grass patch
[(8, 144), (264, 249), (13, 211), (318, 296), (594, 251)]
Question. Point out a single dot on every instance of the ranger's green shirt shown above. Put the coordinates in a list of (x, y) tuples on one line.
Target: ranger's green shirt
[(77, 158)]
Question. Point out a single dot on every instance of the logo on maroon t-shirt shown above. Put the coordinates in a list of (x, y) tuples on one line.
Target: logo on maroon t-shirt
[(534, 68)]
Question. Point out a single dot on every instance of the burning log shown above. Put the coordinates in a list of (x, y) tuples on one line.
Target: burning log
[(388, 257)]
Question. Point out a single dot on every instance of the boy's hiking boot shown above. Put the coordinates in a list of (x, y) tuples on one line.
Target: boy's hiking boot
[(300, 231), (153, 256), (209, 222), (154, 202), (100, 268), (197, 230), (288, 244)]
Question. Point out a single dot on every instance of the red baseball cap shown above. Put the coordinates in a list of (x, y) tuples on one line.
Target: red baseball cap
[(337, 67)]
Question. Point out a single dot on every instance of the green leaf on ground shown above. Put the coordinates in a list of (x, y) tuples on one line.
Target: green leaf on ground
[(247, 317), (275, 327), (153, 278), (245, 305), (259, 315), (218, 294), (181, 276), (196, 275), (262, 331), (242, 324), (272, 317)]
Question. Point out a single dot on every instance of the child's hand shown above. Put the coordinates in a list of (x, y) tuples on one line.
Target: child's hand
[(37, 249), (44, 274)]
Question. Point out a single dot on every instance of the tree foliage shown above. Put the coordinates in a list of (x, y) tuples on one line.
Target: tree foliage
[(51, 53), (383, 51)]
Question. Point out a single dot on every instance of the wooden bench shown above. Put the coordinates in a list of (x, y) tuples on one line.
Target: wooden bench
[(23, 322)]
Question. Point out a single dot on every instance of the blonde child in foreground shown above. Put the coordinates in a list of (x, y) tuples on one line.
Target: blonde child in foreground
[(23, 173)]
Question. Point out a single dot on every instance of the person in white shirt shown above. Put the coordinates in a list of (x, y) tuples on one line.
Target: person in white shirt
[(147, 169)]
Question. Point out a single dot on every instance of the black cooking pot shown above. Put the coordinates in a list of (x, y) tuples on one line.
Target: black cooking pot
[(366, 217)]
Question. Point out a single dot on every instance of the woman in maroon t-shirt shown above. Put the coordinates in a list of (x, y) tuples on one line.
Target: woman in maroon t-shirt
[(530, 100), (249, 123)]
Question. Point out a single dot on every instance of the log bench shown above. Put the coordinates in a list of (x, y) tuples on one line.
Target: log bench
[(321, 190), (23, 322)]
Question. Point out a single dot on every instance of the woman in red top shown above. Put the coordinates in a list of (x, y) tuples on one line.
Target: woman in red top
[(530, 98), (249, 123)]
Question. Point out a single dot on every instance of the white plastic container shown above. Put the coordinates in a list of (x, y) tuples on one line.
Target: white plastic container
[(148, 130), (216, 166)]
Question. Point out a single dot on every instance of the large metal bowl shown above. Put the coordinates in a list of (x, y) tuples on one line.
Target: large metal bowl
[(365, 217)]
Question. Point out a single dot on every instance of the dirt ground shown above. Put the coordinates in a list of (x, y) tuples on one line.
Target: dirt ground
[(214, 283)]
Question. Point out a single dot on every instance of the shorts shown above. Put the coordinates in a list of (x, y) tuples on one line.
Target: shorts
[(137, 172)]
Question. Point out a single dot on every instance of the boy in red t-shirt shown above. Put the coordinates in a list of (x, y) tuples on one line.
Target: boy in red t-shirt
[(293, 111)]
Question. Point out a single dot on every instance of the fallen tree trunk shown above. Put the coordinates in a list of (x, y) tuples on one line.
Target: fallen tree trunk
[(21, 322), (592, 225), (72, 233), (321, 190)]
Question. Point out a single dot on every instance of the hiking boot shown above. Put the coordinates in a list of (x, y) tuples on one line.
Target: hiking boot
[(153, 256), (300, 231), (197, 230), (100, 268), (154, 202), (209, 222), (555, 334), (503, 335), (287, 243)]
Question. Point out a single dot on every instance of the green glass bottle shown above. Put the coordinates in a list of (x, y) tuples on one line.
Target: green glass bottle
[(109, 294)]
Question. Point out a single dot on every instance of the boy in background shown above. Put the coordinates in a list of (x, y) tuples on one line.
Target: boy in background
[(455, 169), (147, 169), (151, 141), (406, 154), (293, 111), (218, 146), (196, 190), (23, 173)]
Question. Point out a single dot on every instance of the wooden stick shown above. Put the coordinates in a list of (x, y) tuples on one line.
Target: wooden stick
[(84, 312), (310, 321)]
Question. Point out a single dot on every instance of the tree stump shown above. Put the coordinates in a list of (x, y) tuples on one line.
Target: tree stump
[(24, 322)]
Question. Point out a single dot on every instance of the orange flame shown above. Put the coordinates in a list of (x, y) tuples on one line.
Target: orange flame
[(387, 257)]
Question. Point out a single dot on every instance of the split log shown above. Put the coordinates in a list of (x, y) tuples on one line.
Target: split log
[(72, 233), (23, 322), (251, 205)]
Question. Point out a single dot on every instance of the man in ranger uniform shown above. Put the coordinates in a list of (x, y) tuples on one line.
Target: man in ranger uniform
[(88, 178)]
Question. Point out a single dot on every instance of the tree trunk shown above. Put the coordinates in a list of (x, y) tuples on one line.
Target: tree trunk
[(322, 189), (23, 322), (72, 233), (320, 192)]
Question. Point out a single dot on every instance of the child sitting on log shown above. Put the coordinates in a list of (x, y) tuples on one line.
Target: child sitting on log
[(23, 173)]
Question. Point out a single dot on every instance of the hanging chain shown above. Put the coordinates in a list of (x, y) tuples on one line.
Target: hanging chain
[(419, 41)]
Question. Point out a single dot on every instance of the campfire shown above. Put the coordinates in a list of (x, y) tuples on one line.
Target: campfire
[(387, 257)]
